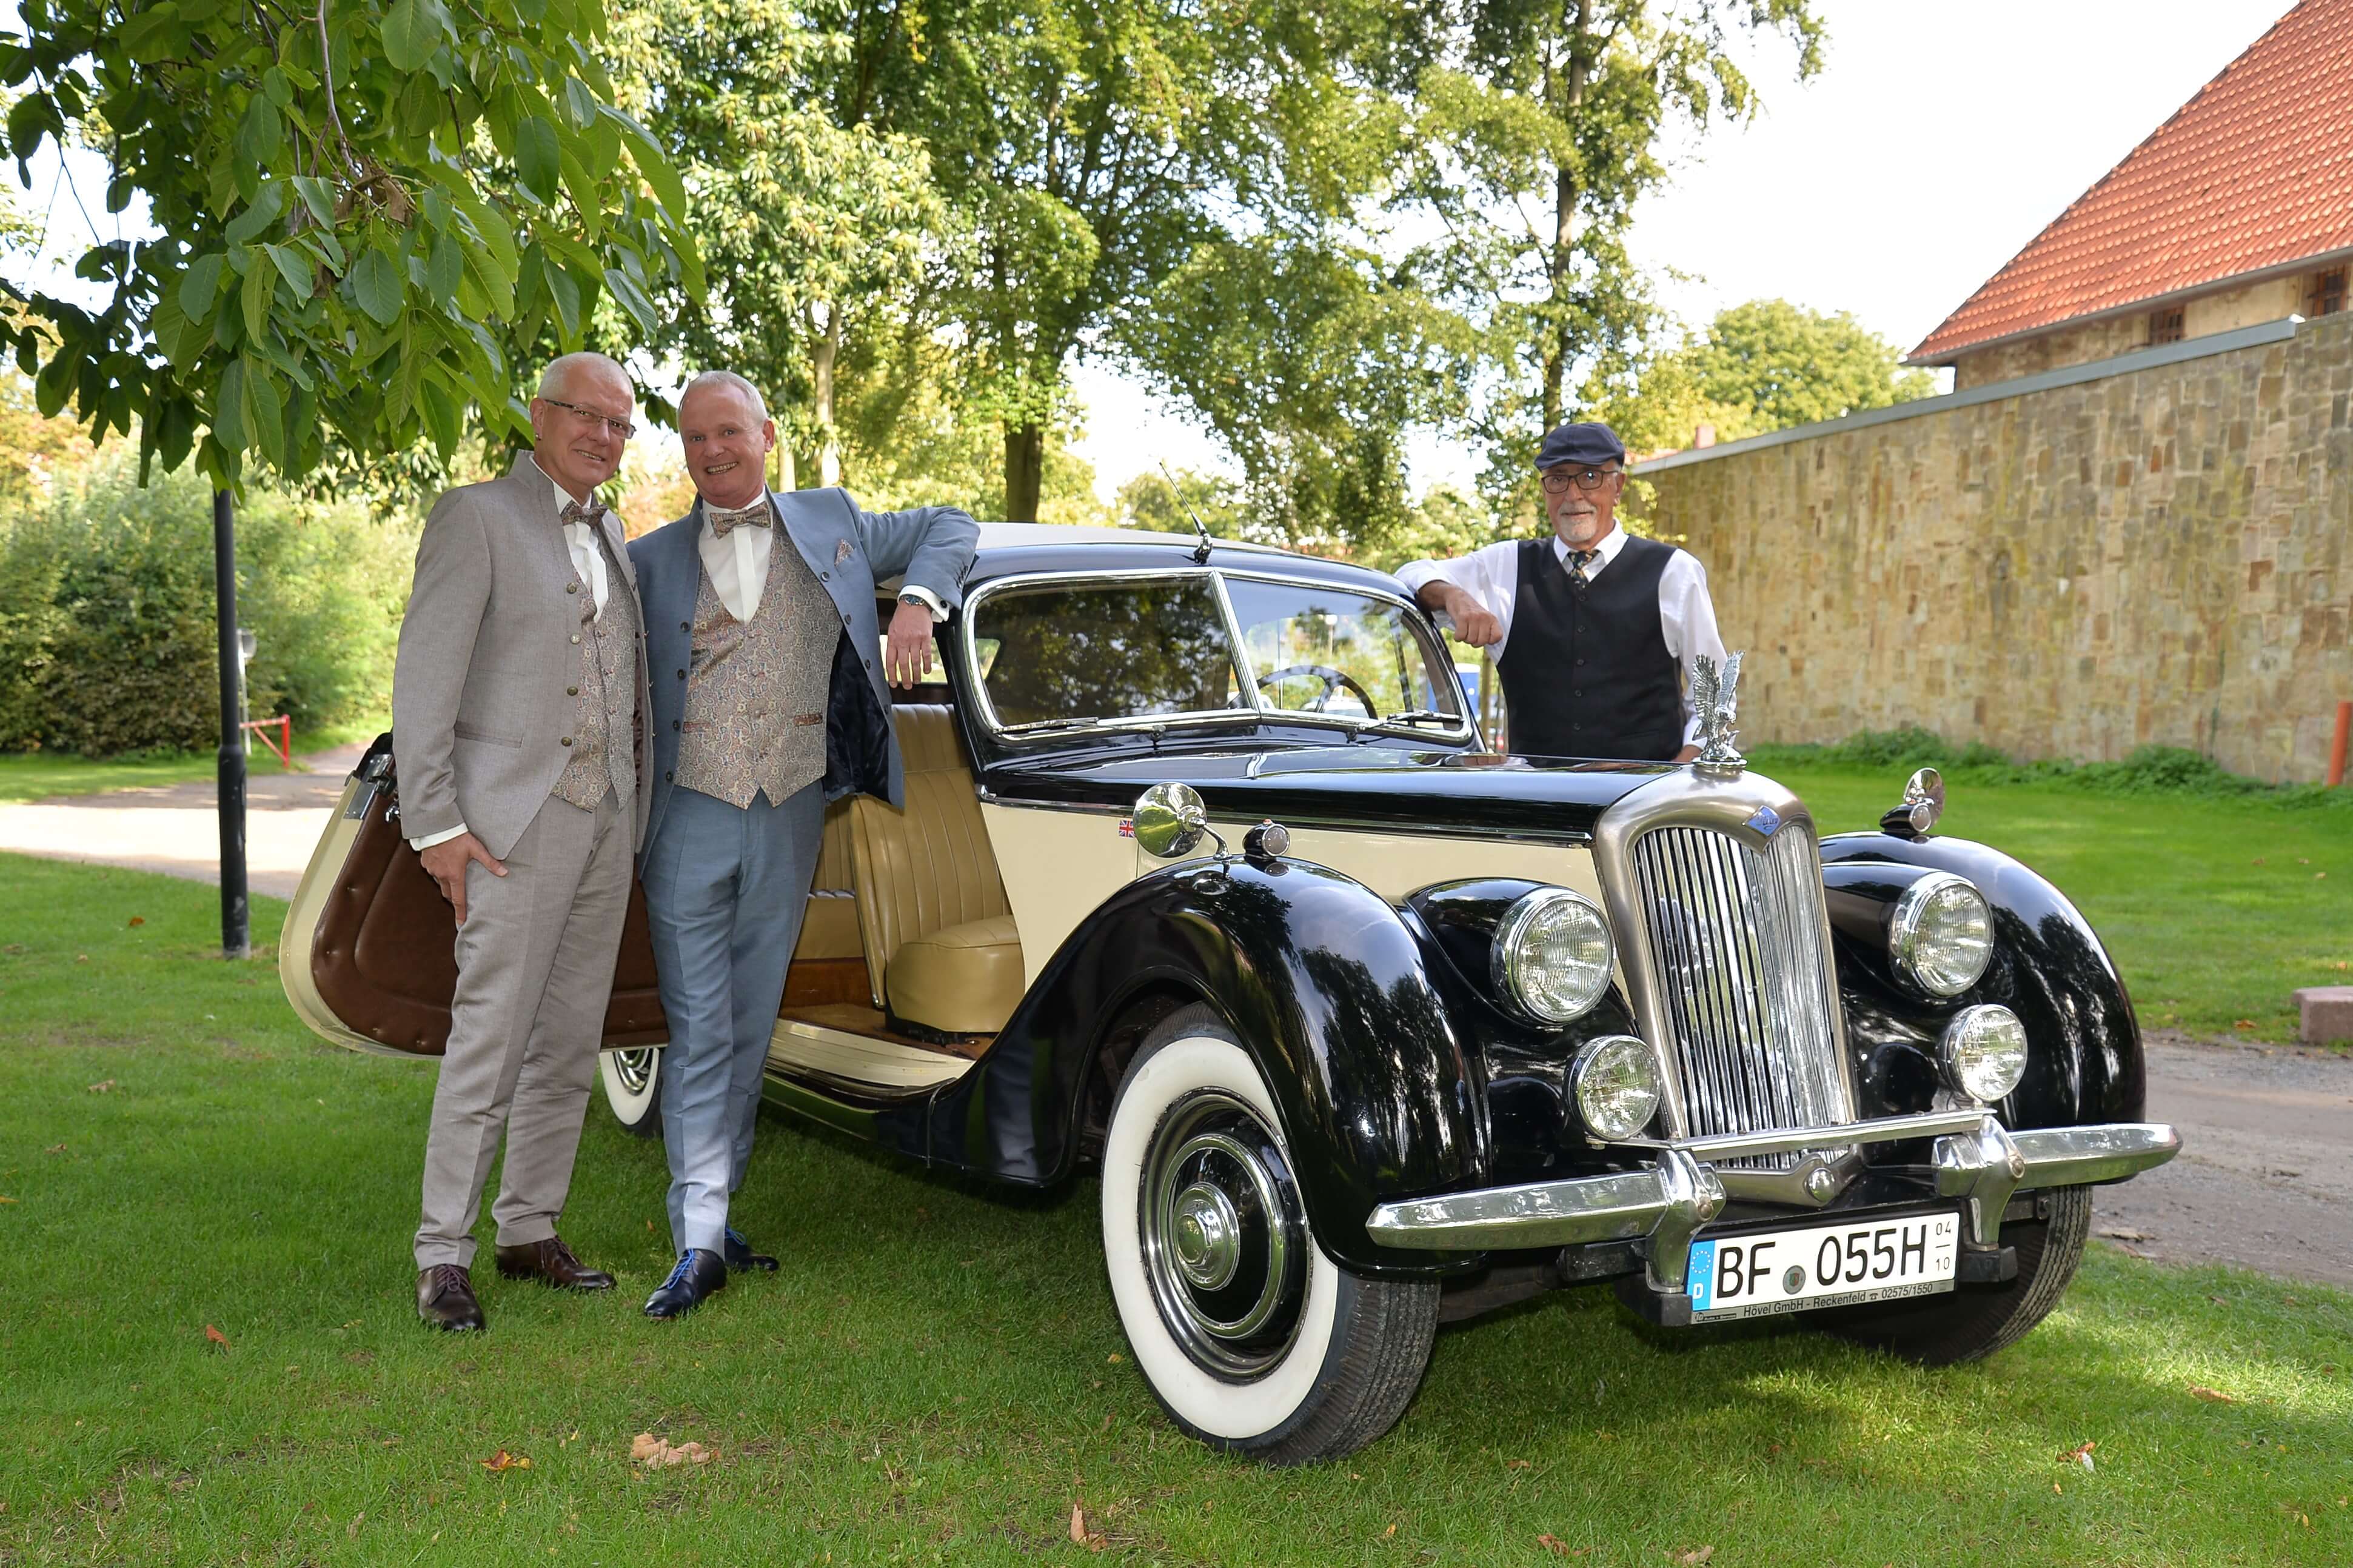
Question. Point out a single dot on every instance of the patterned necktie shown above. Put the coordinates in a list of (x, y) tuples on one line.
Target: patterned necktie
[(723, 521), (1579, 560)]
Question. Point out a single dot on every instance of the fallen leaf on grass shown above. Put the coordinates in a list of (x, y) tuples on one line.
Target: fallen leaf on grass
[(2080, 1453), (1388, 1533), (2058, 1489), (1695, 1556), (351, 1531), (1559, 1547), (655, 1453), (2123, 1233), (139, 919), (216, 1337), (2244, 1024), (55, 1149), (502, 1460), (6, 1199), (2212, 1395), (1515, 1464), (105, 1088), (1078, 1525)]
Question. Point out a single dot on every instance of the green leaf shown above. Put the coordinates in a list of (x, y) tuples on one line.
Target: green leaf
[(564, 293), (268, 203), (669, 189), (580, 105), (538, 159), (228, 408), (298, 274), (260, 292), (576, 180), (265, 413), (318, 198), (175, 424), (55, 384), (377, 286), (200, 286), (156, 32), (281, 90), (632, 299), (32, 117), (262, 134), (413, 30), (492, 282), (442, 416), (444, 267)]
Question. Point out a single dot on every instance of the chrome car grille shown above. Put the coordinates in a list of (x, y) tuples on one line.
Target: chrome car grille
[(1743, 979)]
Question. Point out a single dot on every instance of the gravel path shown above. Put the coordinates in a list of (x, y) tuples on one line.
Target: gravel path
[(174, 828)]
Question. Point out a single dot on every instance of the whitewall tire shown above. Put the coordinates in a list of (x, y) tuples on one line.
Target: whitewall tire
[(632, 1080), (1251, 1339)]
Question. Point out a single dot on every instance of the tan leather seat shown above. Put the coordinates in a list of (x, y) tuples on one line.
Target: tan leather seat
[(940, 943), (829, 928)]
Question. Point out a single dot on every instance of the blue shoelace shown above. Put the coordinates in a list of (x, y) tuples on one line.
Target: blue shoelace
[(678, 1275)]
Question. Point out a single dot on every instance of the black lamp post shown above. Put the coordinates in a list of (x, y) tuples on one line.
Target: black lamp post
[(237, 936)]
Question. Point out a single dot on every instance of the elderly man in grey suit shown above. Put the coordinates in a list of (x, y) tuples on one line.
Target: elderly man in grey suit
[(767, 703), (518, 722)]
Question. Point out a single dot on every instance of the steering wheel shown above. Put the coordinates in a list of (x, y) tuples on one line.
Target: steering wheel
[(1333, 679)]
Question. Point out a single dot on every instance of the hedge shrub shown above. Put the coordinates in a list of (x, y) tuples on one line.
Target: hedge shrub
[(107, 641)]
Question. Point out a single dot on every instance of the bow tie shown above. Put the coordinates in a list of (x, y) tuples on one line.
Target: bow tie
[(723, 521), (575, 512)]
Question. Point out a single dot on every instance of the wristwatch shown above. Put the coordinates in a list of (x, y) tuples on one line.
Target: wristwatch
[(917, 600)]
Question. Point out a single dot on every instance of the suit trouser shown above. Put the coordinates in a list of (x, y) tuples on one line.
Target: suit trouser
[(534, 974), (725, 890)]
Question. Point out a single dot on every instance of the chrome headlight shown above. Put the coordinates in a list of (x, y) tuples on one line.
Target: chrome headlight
[(1983, 1052), (1941, 934), (1552, 955), (1617, 1082)]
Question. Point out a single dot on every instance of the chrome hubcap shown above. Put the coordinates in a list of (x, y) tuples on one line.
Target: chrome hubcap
[(1225, 1239), (634, 1068)]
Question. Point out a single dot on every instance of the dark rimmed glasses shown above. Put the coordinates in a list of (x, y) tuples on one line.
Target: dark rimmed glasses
[(621, 427), (1558, 480)]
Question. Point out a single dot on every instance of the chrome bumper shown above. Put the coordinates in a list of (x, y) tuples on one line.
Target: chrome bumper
[(1974, 1159)]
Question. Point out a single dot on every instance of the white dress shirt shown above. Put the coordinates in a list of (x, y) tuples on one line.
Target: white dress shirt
[(737, 565), (589, 561), (1491, 577)]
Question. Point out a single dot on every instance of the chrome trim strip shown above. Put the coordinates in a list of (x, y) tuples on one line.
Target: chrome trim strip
[(1839, 1135), (2076, 1156), (1667, 1202)]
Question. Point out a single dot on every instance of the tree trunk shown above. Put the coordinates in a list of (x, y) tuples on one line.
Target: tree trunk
[(1567, 91), (828, 350), (1025, 471)]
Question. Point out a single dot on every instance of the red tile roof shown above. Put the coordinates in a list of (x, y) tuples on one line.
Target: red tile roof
[(2254, 173)]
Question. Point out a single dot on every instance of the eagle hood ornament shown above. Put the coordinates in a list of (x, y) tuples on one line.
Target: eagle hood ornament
[(1715, 702)]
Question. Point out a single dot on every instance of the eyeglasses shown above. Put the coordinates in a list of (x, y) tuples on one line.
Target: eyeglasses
[(1558, 480), (621, 427)]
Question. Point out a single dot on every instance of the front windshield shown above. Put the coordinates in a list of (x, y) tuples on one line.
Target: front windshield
[(1102, 651), (1317, 649)]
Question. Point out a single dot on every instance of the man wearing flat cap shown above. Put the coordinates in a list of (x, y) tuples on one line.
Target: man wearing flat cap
[(1594, 629)]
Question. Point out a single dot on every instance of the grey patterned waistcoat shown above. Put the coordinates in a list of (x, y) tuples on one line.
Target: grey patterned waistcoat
[(604, 740), (755, 694)]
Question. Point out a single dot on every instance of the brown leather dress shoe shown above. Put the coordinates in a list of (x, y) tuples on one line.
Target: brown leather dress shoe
[(551, 1263), (444, 1298)]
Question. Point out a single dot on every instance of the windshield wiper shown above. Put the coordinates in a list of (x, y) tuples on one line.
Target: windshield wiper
[(1421, 716)]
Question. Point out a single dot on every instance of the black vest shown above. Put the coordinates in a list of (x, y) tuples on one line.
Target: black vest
[(1586, 670)]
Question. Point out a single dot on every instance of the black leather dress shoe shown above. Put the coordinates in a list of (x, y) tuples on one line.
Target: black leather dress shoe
[(444, 1298), (700, 1273), (551, 1263), (741, 1257)]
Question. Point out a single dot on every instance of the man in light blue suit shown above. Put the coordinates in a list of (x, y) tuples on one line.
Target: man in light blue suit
[(768, 675)]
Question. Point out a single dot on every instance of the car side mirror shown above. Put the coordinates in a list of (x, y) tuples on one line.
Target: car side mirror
[(1170, 820), (1924, 802)]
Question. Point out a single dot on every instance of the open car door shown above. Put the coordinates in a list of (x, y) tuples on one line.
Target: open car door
[(367, 955)]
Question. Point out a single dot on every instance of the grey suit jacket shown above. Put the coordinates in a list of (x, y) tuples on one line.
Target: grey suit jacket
[(850, 550), (487, 648)]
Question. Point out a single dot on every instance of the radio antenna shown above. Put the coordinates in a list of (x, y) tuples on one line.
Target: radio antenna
[(1200, 550)]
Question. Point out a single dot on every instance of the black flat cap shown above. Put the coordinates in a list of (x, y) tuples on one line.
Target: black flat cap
[(1588, 444)]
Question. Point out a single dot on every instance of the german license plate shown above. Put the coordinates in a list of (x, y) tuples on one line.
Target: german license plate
[(1756, 1272)]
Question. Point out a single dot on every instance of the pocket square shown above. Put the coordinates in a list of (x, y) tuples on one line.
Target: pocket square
[(841, 552)]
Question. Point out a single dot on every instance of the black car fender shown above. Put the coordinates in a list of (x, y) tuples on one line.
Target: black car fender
[(1320, 981), (2049, 967)]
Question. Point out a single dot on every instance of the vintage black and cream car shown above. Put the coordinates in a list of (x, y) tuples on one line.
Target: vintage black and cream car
[(1209, 883)]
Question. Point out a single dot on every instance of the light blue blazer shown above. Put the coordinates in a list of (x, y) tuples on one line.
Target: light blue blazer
[(850, 550)]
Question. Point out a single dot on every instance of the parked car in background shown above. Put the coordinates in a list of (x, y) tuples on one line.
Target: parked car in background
[(1208, 883)]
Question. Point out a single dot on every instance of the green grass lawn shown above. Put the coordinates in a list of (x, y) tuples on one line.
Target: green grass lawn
[(2215, 908), (37, 775), (937, 1375)]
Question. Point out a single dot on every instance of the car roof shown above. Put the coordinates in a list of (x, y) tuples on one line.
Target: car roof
[(1006, 549)]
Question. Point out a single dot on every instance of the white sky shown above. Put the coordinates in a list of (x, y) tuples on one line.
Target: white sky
[(1937, 140)]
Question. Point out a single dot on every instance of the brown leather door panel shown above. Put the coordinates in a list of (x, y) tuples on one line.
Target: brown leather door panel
[(383, 955)]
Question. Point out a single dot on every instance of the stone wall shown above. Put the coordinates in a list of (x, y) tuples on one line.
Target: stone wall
[(2160, 554), (2202, 315)]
